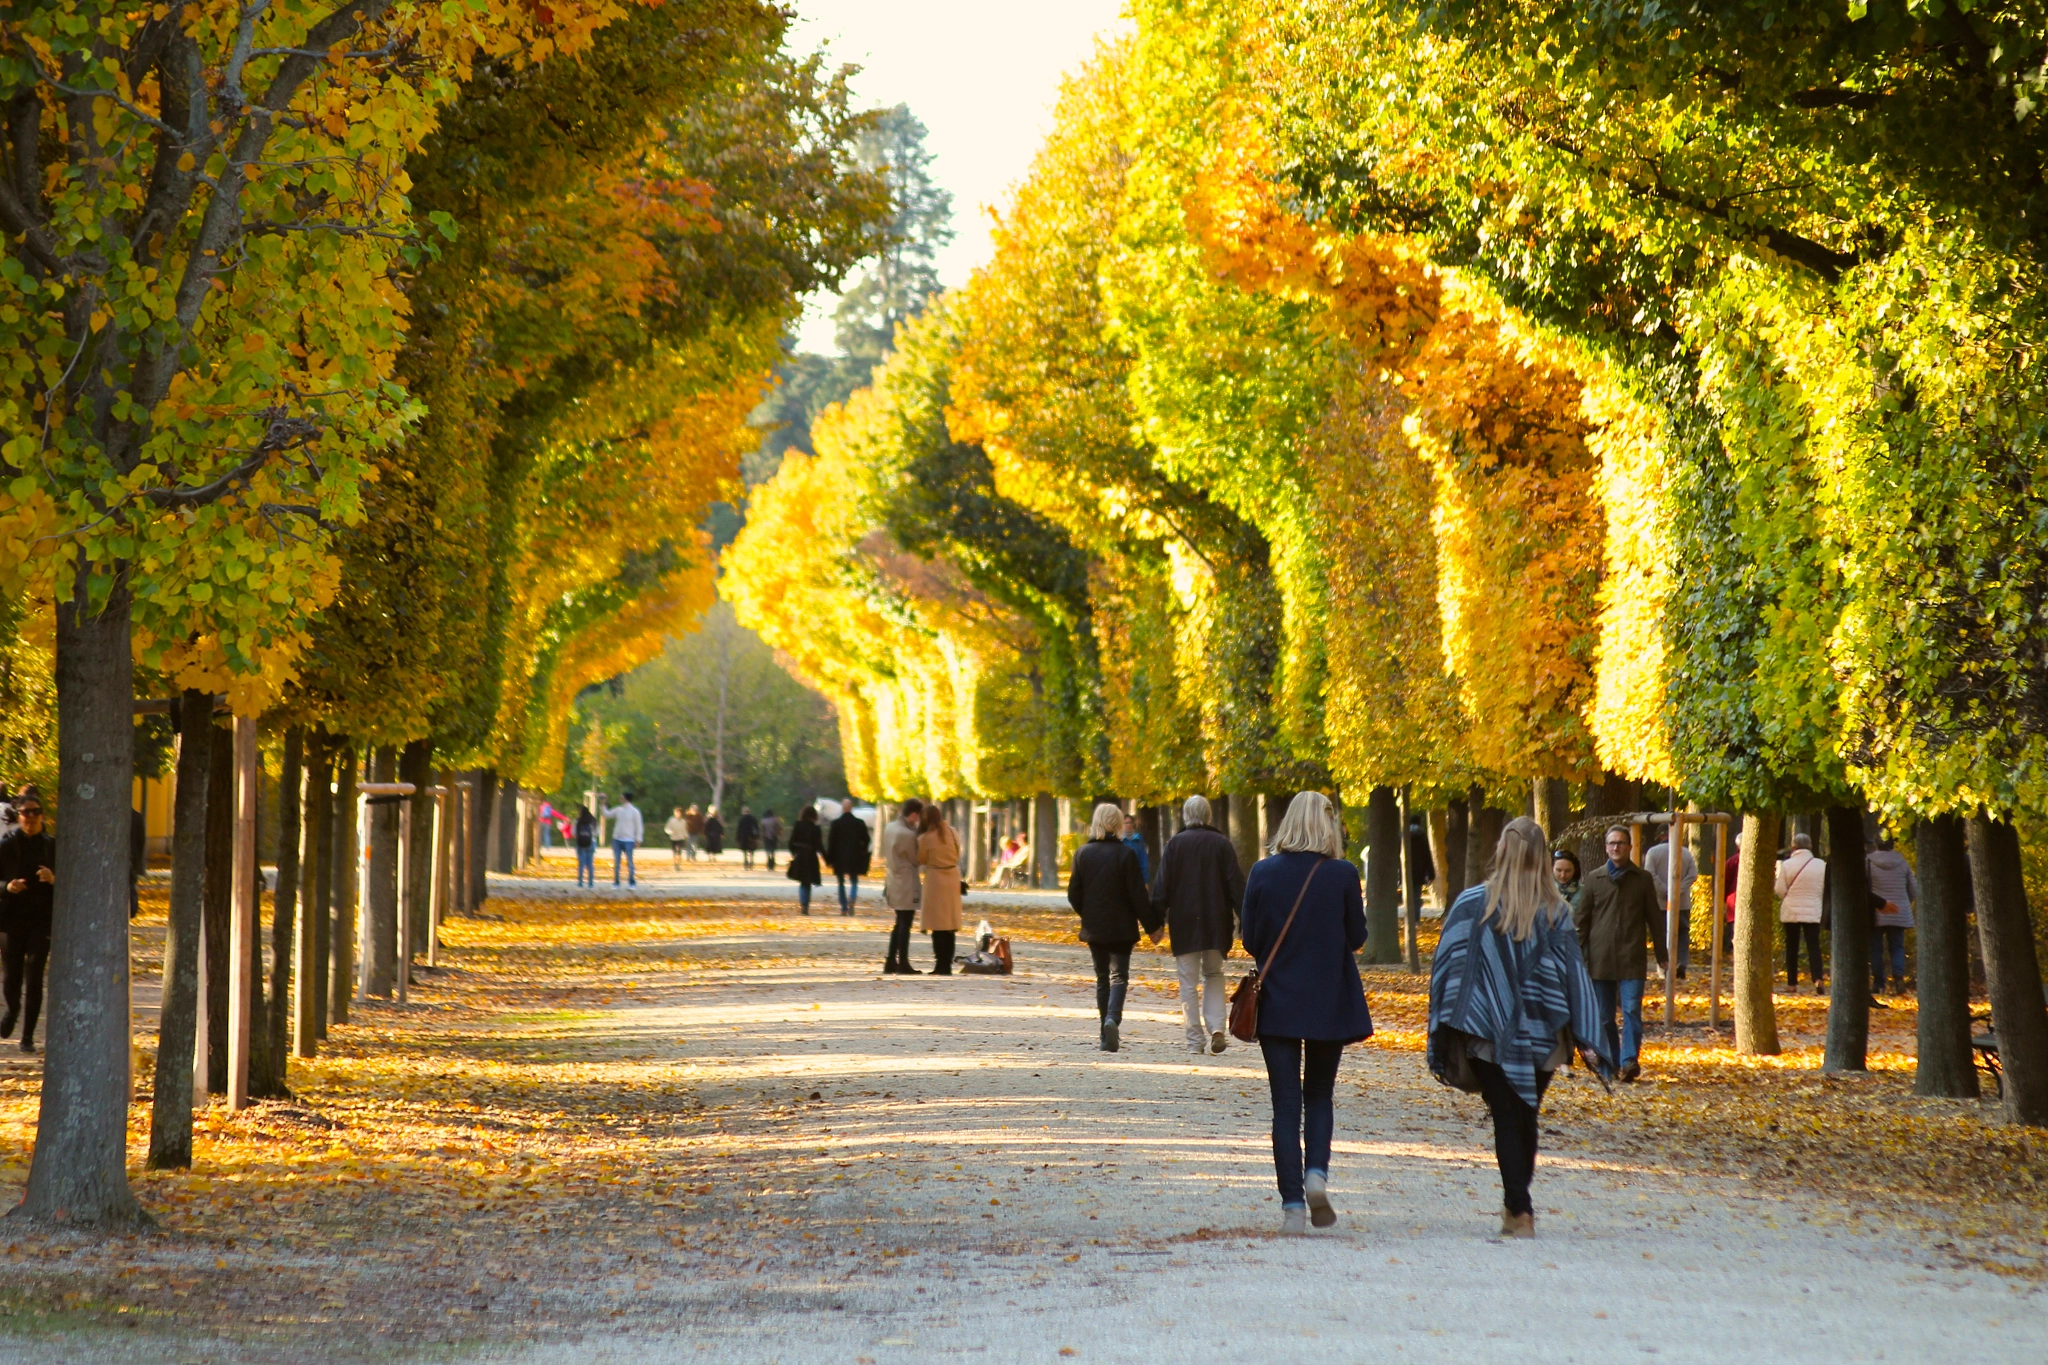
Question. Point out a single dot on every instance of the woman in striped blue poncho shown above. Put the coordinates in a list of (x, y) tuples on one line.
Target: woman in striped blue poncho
[(1509, 986)]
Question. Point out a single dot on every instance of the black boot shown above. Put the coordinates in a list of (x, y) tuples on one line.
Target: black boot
[(7, 1024)]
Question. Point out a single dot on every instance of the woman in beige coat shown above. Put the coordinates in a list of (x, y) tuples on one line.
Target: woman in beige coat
[(938, 852)]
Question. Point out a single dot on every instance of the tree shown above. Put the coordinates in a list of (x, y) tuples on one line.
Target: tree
[(894, 287)]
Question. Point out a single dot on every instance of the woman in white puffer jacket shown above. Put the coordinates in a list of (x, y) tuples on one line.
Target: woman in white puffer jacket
[(1800, 884)]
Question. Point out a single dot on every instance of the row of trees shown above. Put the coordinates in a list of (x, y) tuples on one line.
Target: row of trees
[(371, 364), (1507, 400)]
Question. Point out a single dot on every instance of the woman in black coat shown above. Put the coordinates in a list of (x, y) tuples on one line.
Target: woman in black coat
[(1311, 1000), (1107, 890), (714, 833), (806, 843)]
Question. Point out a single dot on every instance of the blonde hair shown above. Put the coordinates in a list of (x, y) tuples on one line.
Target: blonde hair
[(1521, 886), (1107, 822), (1310, 826)]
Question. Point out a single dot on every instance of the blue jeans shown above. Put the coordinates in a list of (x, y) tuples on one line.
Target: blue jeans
[(1885, 937), (586, 864), (848, 898), (1627, 1045), (1303, 1078), (623, 848), (803, 896)]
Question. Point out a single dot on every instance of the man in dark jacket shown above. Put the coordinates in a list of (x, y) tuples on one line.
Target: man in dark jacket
[(1107, 890), (1617, 909), (28, 878), (849, 848), (749, 836), (1200, 887)]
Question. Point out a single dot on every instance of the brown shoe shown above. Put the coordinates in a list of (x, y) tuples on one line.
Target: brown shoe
[(1517, 1225), (1631, 1072)]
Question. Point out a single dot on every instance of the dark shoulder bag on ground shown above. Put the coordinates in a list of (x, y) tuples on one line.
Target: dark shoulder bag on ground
[(1244, 1002)]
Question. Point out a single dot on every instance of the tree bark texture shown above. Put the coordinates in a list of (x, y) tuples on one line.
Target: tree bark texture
[(1383, 834), (220, 887), (1244, 828), (79, 1173), (1848, 942), (170, 1123), (1439, 855), (316, 821), (1553, 798), (1457, 841), (1946, 1066), (341, 935), (1482, 835), (1045, 842), (1756, 1013), (416, 765), (1275, 808), (276, 1018), (508, 826), (2012, 969), (380, 953), (483, 801)]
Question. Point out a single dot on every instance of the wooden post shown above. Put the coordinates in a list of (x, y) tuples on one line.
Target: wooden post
[(1719, 922), (438, 898), (404, 896), (362, 905), (243, 914)]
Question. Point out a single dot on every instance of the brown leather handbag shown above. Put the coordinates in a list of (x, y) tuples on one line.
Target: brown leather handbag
[(1244, 1001)]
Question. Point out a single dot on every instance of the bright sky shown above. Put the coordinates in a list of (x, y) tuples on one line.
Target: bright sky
[(981, 75)]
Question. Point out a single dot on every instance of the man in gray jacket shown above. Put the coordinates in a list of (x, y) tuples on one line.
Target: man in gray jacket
[(901, 884), (1200, 886)]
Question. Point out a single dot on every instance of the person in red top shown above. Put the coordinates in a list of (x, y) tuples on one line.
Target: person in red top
[(1728, 874)]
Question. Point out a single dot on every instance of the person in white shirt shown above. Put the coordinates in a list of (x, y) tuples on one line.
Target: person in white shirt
[(1799, 883), (678, 831), (1657, 863), (627, 831)]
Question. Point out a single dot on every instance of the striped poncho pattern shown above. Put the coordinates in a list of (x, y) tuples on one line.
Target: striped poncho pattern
[(1556, 993)]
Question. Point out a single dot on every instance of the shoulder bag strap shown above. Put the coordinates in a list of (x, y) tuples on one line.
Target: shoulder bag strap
[(1275, 950)]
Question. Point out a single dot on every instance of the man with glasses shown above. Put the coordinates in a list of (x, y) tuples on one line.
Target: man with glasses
[(1616, 910), (28, 878)]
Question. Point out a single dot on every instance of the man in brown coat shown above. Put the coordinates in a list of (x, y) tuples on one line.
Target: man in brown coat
[(1617, 909)]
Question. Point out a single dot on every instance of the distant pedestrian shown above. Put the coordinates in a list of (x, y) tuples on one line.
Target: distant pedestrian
[(749, 836), (849, 848), (1200, 886), (1564, 870), (1892, 882), (1134, 840), (627, 831), (1509, 988), (678, 831), (138, 860), (806, 842), (714, 835), (1616, 911), (902, 884), (771, 835), (1303, 919), (1107, 890), (1800, 885), (586, 847), (28, 877), (693, 832), (1655, 861), (938, 853)]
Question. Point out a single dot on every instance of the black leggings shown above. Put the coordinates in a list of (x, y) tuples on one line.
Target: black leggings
[(942, 952), (25, 956), (1514, 1132), (1811, 933), (1112, 979)]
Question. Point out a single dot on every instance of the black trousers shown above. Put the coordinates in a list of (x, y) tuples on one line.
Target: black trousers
[(1793, 934), (1514, 1132), (25, 958), (1112, 979), (942, 952), (899, 938)]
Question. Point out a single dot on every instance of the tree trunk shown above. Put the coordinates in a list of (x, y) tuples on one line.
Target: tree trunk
[(2012, 969), (79, 1173), (481, 807), (341, 936), (1848, 942), (220, 888), (1756, 1013), (1383, 835), (508, 826), (416, 765), (1946, 1065), (380, 954), (317, 819), (1275, 811), (1482, 835), (1553, 805), (1412, 828), (1244, 828), (170, 1123), (1457, 837), (1045, 842), (284, 908), (1151, 824)]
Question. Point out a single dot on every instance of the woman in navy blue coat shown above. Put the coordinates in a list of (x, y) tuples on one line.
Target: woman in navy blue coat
[(1312, 1002)]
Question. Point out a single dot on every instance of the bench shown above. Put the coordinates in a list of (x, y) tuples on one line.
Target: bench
[(1985, 1045)]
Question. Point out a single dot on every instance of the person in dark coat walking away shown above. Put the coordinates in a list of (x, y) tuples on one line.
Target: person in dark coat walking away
[(749, 836), (28, 879), (1617, 909), (1509, 985), (1200, 887), (771, 835), (806, 842), (849, 849), (586, 847), (1107, 890), (714, 834), (1311, 1001)]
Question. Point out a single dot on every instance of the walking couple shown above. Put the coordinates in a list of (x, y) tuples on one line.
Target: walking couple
[(921, 877)]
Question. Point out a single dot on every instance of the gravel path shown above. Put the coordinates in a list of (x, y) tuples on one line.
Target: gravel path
[(975, 1180)]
